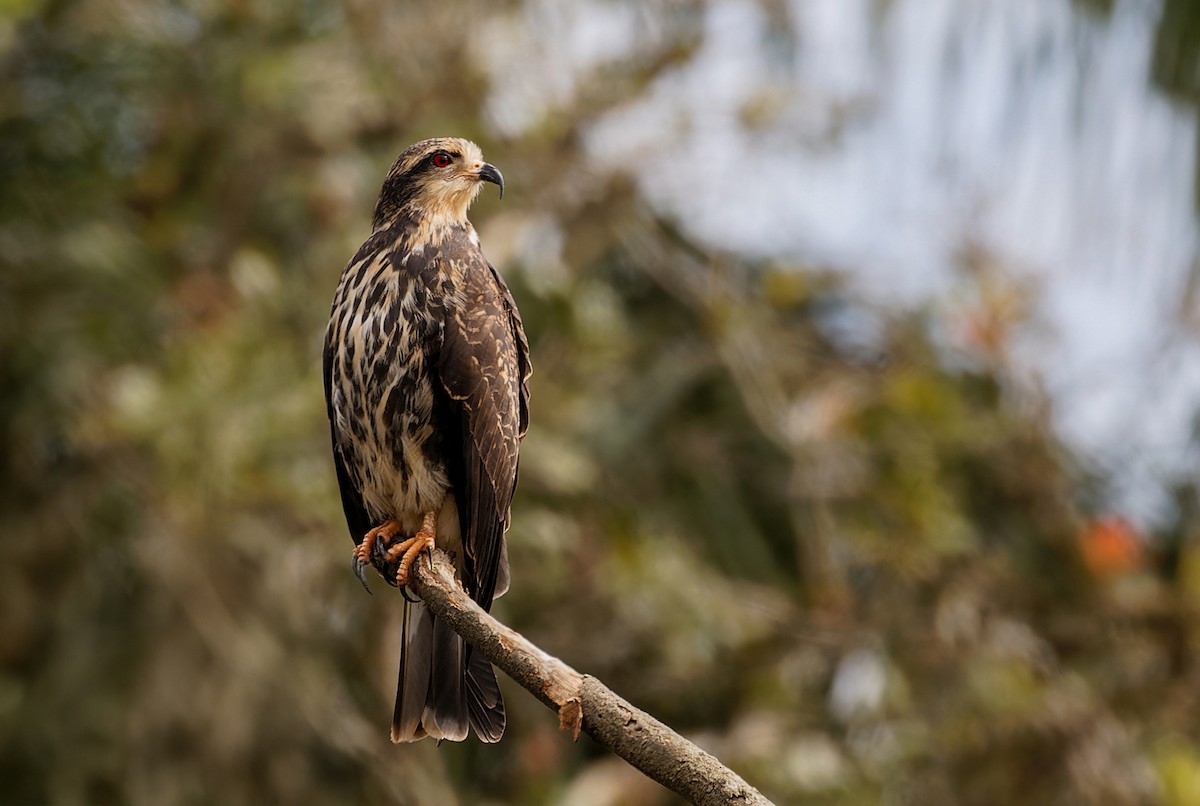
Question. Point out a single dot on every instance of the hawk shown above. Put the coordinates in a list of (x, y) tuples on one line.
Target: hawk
[(426, 370)]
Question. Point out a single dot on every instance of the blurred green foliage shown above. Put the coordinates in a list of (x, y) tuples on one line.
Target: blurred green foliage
[(858, 569)]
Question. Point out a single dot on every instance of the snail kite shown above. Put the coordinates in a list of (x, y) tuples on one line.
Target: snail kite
[(426, 371)]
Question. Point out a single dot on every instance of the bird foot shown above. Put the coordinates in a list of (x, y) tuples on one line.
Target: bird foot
[(386, 532), (407, 551)]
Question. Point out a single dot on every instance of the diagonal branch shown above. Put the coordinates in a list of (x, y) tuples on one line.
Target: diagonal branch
[(582, 701)]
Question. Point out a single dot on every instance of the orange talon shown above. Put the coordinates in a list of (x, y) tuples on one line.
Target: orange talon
[(408, 551), (362, 552)]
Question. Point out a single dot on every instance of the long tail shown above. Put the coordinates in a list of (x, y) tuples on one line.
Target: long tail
[(441, 692)]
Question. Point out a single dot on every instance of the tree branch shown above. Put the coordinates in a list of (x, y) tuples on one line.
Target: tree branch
[(582, 701)]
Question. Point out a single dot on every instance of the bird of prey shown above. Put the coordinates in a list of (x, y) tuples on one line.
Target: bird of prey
[(426, 372)]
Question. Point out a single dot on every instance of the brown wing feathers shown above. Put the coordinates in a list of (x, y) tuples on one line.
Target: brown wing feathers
[(482, 367), (357, 519)]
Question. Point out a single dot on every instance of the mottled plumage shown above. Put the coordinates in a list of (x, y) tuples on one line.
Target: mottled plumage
[(426, 368)]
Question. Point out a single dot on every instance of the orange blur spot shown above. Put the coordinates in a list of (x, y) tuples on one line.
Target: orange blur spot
[(1111, 546)]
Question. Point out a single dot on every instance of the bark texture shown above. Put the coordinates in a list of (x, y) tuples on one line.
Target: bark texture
[(581, 701)]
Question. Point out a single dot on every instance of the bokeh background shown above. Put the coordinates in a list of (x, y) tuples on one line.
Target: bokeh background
[(864, 444)]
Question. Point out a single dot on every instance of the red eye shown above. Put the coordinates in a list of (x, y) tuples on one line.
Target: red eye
[(441, 160)]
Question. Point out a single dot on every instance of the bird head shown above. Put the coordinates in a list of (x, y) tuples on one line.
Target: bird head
[(436, 179)]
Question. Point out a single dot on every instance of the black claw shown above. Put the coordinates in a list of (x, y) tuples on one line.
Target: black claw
[(360, 571), (379, 555), (379, 559)]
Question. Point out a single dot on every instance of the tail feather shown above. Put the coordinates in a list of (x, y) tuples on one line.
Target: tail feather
[(441, 692), (416, 662), (445, 711), (485, 706)]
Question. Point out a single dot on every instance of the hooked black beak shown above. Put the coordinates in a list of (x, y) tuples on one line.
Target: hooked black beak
[(488, 173)]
